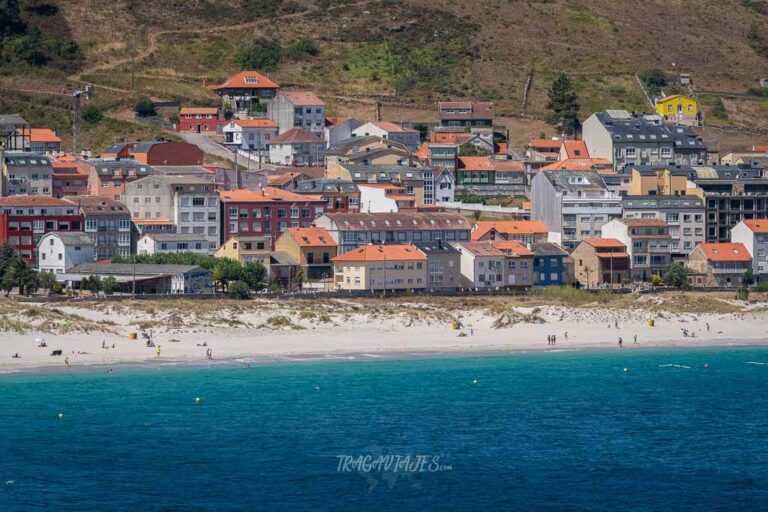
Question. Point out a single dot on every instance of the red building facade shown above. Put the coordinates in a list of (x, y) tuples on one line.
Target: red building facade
[(198, 120), (25, 219), (267, 213)]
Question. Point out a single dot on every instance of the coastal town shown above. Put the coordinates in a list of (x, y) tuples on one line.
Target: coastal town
[(303, 202)]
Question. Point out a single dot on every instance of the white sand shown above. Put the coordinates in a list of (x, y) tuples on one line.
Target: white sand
[(358, 333)]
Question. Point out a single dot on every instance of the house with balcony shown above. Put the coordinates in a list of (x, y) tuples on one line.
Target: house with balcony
[(298, 109), (297, 147), (753, 234), (381, 267), (573, 205), (416, 182), (518, 263), (684, 215), (108, 223), (25, 219), (370, 150), (156, 152), (486, 176), (352, 230), (249, 134), (191, 202), (68, 179), (383, 198), (465, 114), (340, 195), (312, 248), (267, 213), (720, 265), (171, 243), (601, 262), (482, 265), (443, 265), (648, 244), (109, 177), (246, 94)]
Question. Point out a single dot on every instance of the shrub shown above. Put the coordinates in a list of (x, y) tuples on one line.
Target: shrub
[(91, 115), (262, 54), (239, 291), (304, 47), (145, 107)]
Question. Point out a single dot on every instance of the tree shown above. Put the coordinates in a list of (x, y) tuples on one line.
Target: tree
[(91, 115), (262, 54), (46, 280), (654, 80), (92, 284), (473, 150), (748, 279), (253, 274), (145, 107), (297, 277), (228, 114), (19, 274), (11, 23), (7, 255), (239, 291), (423, 130), (676, 274), (563, 105), (109, 285), (304, 47)]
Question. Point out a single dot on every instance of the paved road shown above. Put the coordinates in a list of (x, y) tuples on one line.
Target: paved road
[(217, 150)]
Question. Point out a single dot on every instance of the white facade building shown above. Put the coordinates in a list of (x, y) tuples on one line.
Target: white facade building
[(60, 251), (165, 243), (753, 234), (482, 265), (298, 109), (390, 131), (249, 134)]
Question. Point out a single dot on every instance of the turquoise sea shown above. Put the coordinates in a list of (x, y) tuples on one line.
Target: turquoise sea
[(678, 430)]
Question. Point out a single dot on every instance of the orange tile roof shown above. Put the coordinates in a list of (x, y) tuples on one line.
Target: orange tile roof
[(509, 227), (483, 248), (476, 163), (312, 237), (512, 247), (282, 179), (757, 226), (527, 205), (199, 110), (450, 137), (576, 149), (503, 148), (383, 253), (268, 195), (579, 164), (238, 81), (604, 243), (392, 127), (422, 152), (296, 135), (724, 252), (43, 135), (508, 165), (545, 143), (12, 201), (153, 221), (333, 121), (760, 149), (303, 98), (256, 123)]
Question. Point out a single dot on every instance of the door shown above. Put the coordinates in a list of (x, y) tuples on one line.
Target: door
[(198, 128)]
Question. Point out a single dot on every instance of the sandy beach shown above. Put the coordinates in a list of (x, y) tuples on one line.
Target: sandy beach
[(186, 330)]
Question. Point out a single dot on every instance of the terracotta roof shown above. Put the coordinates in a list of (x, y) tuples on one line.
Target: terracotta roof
[(508, 227), (481, 248), (422, 152), (672, 97), (545, 143), (33, 201), (333, 121), (43, 135), (450, 137), (255, 80), (296, 135), (642, 223), (154, 221), (576, 149), (502, 148), (267, 195), (383, 253), (757, 226), (578, 164), (312, 237), (760, 149), (604, 243), (282, 179), (303, 98), (476, 163), (199, 110), (512, 247), (509, 165), (421, 221), (393, 127), (724, 252), (255, 123)]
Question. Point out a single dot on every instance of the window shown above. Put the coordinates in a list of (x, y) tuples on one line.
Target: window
[(198, 201)]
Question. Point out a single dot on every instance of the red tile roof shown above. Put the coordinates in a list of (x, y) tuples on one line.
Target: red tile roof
[(199, 110), (256, 123), (303, 98), (724, 252), (33, 201), (509, 227), (757, 226), (476, 163), (267, 195), (43, 135), (604, 243), (392, 127), (296, 136), (545, 143), (576, 149), (509, 165), (450, 137), (312, 237), (383, 253), (579, 164), (246, 80), (512, 247), (502, 148), (422, 152)]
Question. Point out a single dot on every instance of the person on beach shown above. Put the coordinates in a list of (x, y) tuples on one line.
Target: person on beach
[(707, 326), (635, 342), (103, 343), (554, 339), (566, 334), (621, 342), (158, 351), (616, 323), (66, 361)]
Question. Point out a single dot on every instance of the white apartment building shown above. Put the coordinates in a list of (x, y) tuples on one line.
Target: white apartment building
[(298, 109), (753, 233), (391, 131), (60, 251)]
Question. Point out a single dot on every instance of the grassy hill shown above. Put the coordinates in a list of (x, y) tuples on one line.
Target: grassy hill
[(409, 53)]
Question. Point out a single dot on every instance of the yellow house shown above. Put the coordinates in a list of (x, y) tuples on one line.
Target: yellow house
[(313, 248), (678, 108), (381, 267), (245, 249)]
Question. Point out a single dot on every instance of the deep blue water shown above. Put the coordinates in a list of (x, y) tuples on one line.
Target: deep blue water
[(552, 431)]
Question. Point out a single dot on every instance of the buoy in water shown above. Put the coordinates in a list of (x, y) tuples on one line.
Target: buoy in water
[(626, 369), (474, 381), (61, 415), (706, 365), (197, 400)]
